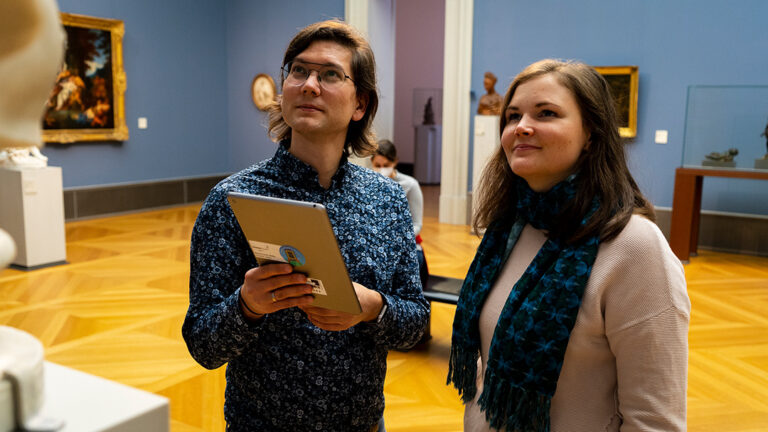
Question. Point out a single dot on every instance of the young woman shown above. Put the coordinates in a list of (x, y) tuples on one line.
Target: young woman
[(574, 314)]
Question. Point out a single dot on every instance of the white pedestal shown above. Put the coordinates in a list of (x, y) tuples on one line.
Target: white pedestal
[(429, 155), (89, 403), (486, 142), (32, 212)]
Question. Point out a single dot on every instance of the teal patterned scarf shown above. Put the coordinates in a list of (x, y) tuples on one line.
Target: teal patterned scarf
[(530, 338)]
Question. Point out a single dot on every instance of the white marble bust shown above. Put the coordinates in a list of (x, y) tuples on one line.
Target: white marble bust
[(31, 48)]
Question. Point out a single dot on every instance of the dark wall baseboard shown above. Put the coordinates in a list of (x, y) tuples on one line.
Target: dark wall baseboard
[(103, 200), (725, 232), (722, 232)]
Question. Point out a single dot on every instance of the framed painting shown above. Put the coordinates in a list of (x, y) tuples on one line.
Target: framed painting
[(623, 81), (87, 102), (263, 91)]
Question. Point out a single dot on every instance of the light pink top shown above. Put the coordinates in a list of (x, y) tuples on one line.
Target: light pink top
[(626, 365)]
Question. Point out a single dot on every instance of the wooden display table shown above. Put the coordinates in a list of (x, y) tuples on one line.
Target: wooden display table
[(686, 205)]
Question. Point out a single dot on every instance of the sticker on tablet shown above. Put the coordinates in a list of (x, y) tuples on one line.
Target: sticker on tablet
[(292, 256), (266, 252), (317, 286)]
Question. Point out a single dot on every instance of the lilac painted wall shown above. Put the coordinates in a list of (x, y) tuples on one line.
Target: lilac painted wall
[(419, 42)]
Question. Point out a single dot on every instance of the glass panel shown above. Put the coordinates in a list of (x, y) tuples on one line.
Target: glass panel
[(721, 118)]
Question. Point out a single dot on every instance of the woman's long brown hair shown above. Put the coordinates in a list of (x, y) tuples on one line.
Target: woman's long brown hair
[(602, 168)]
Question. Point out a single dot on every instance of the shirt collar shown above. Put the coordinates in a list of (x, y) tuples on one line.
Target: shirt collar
[(302, 171)]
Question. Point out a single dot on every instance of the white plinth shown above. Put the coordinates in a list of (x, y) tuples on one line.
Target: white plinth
[(32, 212), (89, 403), (486, 142), (429, 146)]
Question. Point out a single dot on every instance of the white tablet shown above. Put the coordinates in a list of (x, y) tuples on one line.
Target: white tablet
[(299, 233)]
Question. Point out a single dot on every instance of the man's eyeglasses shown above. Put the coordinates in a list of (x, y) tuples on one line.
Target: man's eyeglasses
[(329, 77)]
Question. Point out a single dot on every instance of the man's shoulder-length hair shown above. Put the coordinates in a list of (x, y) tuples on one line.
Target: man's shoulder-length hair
[(360, 137)]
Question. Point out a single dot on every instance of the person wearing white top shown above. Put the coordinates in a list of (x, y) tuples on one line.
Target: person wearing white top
[(384, 162)]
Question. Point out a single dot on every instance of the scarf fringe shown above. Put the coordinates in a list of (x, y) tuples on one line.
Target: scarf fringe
[(514, 408), (462, 371)]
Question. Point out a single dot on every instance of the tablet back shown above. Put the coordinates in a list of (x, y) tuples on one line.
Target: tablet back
[(299, 233)]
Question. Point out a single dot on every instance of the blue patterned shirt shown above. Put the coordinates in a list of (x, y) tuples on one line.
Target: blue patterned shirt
[(283, 373)]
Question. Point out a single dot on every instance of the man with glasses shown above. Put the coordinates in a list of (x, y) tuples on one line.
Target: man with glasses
[(292, 366)]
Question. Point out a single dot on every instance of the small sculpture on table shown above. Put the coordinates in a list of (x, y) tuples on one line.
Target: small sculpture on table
[(724, 159), (429, 113), (489, 103), (762, 163)]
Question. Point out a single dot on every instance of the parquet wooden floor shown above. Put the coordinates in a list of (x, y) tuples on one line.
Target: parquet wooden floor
[(116, 311)]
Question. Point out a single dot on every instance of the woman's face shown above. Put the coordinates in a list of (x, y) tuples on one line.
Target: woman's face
[(383, 166), (544, 135)]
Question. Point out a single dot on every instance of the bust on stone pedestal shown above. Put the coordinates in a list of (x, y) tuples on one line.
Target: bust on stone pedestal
[(31, 48)]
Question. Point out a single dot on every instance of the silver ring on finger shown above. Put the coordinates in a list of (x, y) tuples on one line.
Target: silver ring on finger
[(274, 299)]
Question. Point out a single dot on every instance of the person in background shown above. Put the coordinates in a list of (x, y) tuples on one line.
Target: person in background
[(384, 162), (574, 314), (292, 366)]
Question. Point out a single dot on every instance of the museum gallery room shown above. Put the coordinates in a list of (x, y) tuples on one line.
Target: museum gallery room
[(149, 105)]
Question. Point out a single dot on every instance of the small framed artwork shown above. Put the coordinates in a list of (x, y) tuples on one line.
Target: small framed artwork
[(87, 102), (263, 91), (623, 81)]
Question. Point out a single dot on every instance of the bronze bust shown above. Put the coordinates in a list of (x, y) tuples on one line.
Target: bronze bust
[(490, 103)]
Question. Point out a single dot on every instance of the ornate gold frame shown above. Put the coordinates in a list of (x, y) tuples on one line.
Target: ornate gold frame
[(116, 29), (270, 88), (627, 100)]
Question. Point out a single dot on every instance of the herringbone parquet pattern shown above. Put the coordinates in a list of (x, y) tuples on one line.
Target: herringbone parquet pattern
[(116, 311)]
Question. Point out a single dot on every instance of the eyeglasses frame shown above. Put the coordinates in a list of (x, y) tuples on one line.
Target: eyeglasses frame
[(319, 80)]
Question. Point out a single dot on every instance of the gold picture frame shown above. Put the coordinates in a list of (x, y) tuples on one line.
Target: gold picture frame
[(87, 102), (263, 91), (623, 81)]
